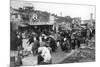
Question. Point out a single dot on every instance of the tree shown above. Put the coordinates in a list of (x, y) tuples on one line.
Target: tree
[(68, 19)]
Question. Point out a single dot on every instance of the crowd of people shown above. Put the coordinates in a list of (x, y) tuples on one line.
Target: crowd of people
[(43, 44)]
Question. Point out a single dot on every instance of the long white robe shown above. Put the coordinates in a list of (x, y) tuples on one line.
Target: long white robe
[(26, 45), (45, 54)]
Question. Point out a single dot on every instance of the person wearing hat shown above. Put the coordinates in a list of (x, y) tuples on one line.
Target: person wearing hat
[(73, 41), (36, 45)]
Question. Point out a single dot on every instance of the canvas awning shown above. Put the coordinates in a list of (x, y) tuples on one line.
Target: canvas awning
[(40, 23)]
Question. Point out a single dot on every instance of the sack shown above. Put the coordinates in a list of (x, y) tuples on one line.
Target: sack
[(18, 61)]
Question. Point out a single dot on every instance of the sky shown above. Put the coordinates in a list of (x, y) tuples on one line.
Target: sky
[(72, 10)]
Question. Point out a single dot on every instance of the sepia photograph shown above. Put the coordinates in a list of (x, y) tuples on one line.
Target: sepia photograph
[(45, 33)]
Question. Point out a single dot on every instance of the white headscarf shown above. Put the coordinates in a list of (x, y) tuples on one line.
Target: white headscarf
[(45, 53)]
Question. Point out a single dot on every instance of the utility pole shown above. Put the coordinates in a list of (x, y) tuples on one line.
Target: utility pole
[(60, 13), (91, 18)]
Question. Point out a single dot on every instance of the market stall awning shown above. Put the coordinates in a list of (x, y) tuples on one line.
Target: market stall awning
[(40, 23)]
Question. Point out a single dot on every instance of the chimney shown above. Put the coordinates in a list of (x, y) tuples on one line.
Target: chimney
[(91, 16)]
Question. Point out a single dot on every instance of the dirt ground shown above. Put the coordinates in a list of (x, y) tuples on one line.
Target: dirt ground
[(84, 54)]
